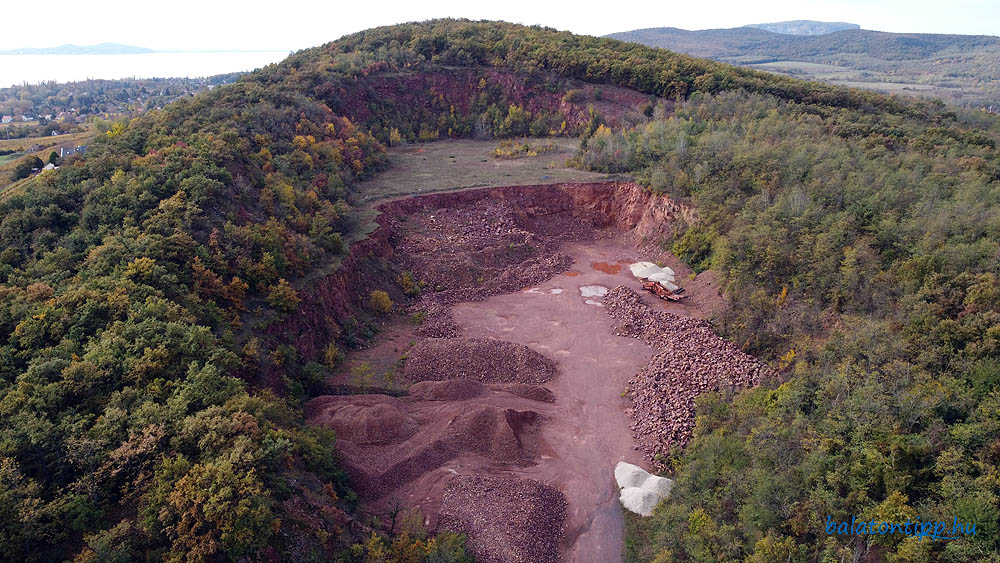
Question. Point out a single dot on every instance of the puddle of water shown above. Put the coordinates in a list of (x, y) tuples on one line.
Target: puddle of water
[(606, 267), (593, 290), (535, 290), (556, 290), (592, 302)]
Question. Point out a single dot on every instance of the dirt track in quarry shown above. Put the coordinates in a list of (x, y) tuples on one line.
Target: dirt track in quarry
[(517, 411), (587, 431)]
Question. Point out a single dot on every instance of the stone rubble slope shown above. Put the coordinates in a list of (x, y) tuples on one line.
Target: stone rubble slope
[(691, 360), (507, 519)]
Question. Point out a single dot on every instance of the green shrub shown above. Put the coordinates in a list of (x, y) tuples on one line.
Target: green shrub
[(379, 302)]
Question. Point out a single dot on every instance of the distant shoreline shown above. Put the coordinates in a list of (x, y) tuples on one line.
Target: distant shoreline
[(49, 54), (20, 70), (117, 49)]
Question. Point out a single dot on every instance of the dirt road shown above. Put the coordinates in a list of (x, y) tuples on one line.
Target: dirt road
[(587, 430)]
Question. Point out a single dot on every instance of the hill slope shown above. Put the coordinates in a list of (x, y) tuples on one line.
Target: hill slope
[(958, 68), (804, 27)]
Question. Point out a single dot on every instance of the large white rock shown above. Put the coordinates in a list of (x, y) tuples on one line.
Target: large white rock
[(659, 485), (628, 475), (640, 267), (640, 491), (639, 500), (652, 272), (662, 277)]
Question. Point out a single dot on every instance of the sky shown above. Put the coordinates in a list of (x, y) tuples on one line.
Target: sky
[(297, 24)]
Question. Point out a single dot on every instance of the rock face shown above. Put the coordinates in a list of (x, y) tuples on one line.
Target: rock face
[(640, 491)]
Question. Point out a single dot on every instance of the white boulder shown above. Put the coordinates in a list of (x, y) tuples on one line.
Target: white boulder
[(661, 277), (640, 267), (638, 500), (659, 485), (652, 272), (640, 491), (628, 475)]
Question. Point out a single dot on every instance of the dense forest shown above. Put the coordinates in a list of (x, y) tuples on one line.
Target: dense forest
[(861, 255), (146, 415)]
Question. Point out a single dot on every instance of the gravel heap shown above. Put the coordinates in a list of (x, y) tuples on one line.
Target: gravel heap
[(507, 520), (364, 419), (450, 390), (691, 360), (533, 392), (479, 359), (469, 251), (436, 306)]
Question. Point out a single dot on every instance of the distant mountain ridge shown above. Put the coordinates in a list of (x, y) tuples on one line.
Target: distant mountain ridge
[(804, 27), (963, 69), (70, 49), (753, 42)]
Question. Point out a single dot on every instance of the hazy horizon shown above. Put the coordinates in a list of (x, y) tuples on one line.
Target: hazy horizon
[(289, 50), (256, 26)]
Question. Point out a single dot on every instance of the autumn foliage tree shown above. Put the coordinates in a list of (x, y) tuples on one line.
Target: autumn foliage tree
[(283, 297)]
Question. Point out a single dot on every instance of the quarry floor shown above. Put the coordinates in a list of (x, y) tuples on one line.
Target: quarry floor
[(505, 267), (586, 430)]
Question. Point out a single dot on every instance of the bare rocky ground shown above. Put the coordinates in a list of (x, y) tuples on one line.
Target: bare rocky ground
[(518, 399)]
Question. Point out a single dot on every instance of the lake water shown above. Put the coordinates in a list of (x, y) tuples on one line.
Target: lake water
[(18, 69)]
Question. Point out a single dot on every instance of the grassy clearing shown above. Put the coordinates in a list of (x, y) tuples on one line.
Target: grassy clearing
[(800, 66), (22, 145), (48, 144), (456, 164)]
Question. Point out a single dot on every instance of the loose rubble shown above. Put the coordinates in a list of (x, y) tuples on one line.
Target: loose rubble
[(415, 443), (507, 520), (692, 360), (479, 359), (467, 253)]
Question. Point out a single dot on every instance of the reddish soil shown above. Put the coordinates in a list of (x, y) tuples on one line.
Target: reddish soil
[(607, 268), (415, 93), (517, 412)]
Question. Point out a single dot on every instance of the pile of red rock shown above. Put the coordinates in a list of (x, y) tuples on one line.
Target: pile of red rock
[(469, 251), (691, 360), (479, 359), (498, 279), (508, 520)]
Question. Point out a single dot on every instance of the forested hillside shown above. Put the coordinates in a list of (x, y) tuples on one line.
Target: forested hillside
[(147, 414), (861, 254)]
